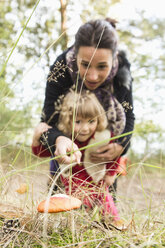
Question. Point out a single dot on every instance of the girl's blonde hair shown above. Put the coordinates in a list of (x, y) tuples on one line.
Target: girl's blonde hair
[(86, 105)]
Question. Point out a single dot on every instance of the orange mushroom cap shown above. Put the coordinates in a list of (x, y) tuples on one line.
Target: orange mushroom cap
[(59, 203)]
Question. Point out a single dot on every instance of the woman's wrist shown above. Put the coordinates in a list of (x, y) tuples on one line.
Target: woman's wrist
[(35, 142), (119, 149)]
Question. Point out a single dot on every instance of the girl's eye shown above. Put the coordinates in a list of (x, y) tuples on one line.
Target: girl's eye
[(77, 122), (91, 121)]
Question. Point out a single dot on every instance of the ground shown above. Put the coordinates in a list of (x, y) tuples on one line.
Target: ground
[(137, 191)]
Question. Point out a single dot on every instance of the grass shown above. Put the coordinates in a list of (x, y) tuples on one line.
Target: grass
[(141, 233), (140, 203), (140, 200)]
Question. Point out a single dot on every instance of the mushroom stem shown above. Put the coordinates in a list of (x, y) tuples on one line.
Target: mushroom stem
[(73, 227), (56, 204)]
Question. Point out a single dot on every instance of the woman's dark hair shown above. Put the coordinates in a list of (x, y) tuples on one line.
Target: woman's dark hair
[(97, 33)]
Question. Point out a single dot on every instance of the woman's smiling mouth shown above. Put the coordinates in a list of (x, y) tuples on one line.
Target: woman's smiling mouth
[(91, 84)]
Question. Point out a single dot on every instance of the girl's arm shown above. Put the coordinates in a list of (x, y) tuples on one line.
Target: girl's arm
[(64, 145), (40, 151)]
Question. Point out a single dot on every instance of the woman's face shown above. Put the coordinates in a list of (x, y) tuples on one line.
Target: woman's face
[(94, 65)]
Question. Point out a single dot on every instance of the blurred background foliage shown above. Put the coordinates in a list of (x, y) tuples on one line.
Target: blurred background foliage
[(50, 30)]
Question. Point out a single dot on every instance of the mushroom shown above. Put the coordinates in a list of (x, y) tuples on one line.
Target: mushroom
[(59, 203), (56, 204)]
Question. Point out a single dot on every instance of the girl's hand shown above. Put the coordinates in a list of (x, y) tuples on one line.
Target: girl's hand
[(63, 146), (106, 153), (38, 131)]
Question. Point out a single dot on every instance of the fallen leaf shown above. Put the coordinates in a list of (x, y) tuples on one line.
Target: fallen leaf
[(22, 189)]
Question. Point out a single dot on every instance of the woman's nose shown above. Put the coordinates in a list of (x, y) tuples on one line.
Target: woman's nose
[(92, 75)]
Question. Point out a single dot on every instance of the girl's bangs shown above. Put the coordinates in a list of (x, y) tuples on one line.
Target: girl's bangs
[(87, 109)]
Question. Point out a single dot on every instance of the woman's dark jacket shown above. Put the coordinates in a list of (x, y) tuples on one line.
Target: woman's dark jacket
[(58, 83)]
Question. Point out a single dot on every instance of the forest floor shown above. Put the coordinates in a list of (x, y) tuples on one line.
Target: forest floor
[(140, 191), (137, 191), (140, 201)]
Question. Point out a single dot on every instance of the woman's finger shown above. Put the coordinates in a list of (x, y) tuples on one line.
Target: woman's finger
[(99, 155), (103, 149)]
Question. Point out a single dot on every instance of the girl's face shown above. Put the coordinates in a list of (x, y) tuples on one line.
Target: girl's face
[(84, 128), (94, 65)]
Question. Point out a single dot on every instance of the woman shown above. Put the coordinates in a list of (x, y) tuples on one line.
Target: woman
[(92, 63)]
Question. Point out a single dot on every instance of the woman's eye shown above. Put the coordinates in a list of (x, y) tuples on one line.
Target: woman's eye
[(84, 65), (101, 67), (77, 122)]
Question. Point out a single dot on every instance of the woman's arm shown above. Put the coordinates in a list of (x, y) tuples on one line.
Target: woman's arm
[(37, 147), (123, 92), (38, 131), (58, 83), (130, 119)]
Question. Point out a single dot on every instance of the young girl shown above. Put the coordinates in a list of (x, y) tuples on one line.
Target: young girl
[(89, 181)]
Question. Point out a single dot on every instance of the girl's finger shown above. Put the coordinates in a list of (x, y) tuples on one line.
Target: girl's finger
[(78, 156)]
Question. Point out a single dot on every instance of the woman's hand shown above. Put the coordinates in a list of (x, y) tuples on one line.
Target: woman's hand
[(38, 131), (63, 146), (106, 153)]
